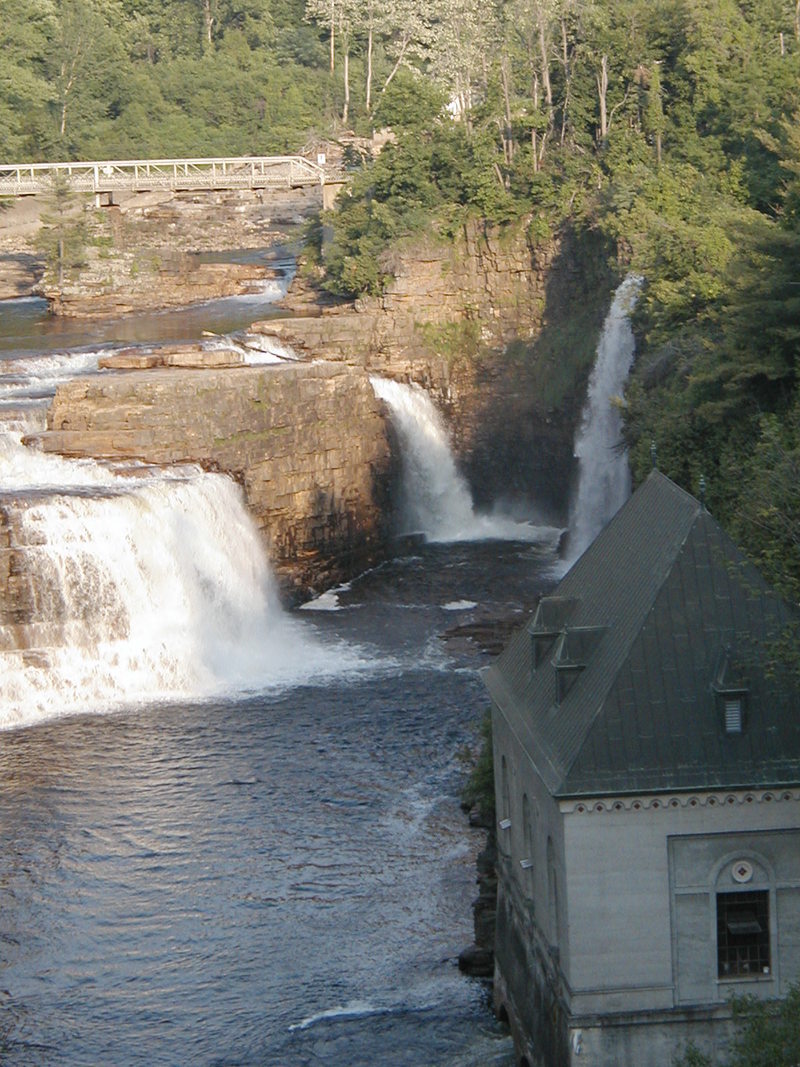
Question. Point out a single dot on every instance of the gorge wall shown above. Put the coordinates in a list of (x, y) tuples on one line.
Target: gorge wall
[(499, 328), (307, 443)]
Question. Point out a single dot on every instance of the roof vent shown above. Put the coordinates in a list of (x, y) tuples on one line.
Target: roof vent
[(730, 688), (733, 715)]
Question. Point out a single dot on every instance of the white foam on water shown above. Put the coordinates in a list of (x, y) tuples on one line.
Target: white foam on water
[(42, 374), (355, 1009), (265, 348), (266, 290), (436, 498), (460, 605), (604, 481), (328, 601), (150, 588)]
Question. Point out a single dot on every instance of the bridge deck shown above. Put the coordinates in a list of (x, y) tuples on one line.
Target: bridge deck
[(141, 175)]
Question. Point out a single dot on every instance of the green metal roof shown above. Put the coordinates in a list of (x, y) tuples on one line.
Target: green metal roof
[(624, 688)]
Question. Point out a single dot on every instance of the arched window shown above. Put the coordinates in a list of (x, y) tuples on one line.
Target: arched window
[(552, 892), (506, 799), (526, 861), (504, 837), (744, 909)]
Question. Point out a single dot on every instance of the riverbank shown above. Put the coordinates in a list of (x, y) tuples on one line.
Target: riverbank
[(152, 250)]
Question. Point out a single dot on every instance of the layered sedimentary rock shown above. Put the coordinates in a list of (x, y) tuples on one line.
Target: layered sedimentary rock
[(307, 442), (501, 331), (143, 252), (107, 289)]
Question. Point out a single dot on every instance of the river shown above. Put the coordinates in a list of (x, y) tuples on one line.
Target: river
[(209, 857)]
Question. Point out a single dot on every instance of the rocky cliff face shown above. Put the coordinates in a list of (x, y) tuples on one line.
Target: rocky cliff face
[(307, 442), (500, 330), (144, 251)]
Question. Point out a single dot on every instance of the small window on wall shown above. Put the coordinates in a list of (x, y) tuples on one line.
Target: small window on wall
[(743, 934)]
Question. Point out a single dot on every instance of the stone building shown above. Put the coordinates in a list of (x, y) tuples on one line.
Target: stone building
[(647, 768)]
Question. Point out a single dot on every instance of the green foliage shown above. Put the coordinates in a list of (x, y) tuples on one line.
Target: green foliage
[(669, 126), (767, 1034), (767, 518), (479, 788), (693, 1057), (64, 233), (429, 181), (457, 342), (410, 102)]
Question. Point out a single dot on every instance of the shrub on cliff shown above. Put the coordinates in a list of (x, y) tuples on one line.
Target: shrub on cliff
[(479, 789), (430, 180)]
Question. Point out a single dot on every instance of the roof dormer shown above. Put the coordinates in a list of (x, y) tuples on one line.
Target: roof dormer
[(547, 624), (730, 691), (573, 651)]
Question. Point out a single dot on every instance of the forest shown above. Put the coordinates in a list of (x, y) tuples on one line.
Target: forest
[(670, 127)]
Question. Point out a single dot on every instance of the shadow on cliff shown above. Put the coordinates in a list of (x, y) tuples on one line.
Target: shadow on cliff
[(517, 434)]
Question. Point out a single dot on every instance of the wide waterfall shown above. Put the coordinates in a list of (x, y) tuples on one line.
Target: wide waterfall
[(435, 498), (145, 586), (604, 481)]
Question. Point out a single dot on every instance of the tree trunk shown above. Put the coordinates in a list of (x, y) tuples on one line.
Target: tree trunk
[(602, 98), (548, 88), (333, 35), (546, 83), (369, 69), (208, 20), (508, 133), (396, 67), (567, 79), (534, 135), (346, 108)]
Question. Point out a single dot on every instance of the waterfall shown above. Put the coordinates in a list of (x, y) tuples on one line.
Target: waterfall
[(139, 586), (604, 481), (435, 498)]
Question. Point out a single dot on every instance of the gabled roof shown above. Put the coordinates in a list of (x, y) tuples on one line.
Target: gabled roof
[(618, 683)]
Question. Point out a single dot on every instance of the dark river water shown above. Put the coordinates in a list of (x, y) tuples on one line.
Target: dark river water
[(279, 877)]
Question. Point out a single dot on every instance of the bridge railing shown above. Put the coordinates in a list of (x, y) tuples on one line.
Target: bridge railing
[(141, 175)]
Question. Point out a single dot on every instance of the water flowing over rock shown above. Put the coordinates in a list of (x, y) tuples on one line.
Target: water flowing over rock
[(140, 582), (306, 442), (498, 328), (435, 499), (604, 481)]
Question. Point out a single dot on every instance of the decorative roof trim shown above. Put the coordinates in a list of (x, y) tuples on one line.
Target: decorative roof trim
[(670, 802)]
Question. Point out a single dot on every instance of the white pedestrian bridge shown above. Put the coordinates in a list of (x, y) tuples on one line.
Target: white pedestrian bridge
[(107, 177)]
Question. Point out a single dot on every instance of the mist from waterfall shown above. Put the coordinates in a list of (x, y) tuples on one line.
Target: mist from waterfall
[(435, 499), (147, 585), (604, 481)]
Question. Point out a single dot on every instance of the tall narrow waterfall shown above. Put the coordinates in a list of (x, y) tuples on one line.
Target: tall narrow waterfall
[(435, 498), (147, 586), (604, 482)]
